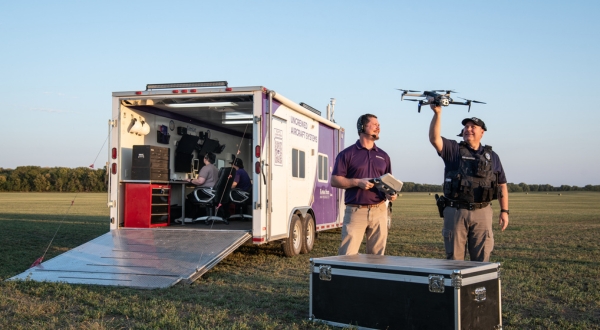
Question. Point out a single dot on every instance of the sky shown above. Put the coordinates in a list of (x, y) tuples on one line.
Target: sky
[(535, 64)]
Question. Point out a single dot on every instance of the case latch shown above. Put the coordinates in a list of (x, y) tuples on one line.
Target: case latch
[(436, 283), (325, 273), (480, 294)]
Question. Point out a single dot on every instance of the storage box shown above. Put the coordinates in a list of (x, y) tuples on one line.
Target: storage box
[(388, 292), (142, 155)]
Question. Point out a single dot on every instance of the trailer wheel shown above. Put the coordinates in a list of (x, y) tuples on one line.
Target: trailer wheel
[(309, 234), (293, 244)]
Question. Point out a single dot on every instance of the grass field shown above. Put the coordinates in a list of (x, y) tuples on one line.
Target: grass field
[(550, 256)]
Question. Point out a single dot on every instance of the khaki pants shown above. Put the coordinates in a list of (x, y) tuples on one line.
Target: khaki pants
[(473, 228), (371, 221)]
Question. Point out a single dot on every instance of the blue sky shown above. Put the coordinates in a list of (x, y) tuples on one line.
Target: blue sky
[(535, 63)]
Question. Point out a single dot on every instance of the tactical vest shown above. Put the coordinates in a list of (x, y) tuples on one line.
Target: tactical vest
[(474, 181)]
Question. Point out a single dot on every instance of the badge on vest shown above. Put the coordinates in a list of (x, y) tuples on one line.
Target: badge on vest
[(487, 156)]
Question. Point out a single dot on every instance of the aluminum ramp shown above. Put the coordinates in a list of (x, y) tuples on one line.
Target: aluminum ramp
[(140, 258)]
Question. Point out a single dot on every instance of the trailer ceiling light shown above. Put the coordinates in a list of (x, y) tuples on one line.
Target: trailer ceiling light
[(201, 105), (233, 122), (114, 153), (187, 85), (257, 151), (114, 168), (237, 116)]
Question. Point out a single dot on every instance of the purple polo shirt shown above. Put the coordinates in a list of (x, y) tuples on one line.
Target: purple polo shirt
[(451, 156), (243, 180), (356, 162)]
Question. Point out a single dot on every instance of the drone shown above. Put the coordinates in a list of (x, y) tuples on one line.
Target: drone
[(434, 97)]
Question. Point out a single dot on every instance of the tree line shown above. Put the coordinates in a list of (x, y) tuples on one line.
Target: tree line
[(512, 187), (83, 179), (53, 179)]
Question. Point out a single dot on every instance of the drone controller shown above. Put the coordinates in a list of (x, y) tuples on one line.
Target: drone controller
[(387, 184)]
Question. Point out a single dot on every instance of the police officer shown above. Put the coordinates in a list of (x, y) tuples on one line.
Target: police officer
[(366, 211), (473, 177)]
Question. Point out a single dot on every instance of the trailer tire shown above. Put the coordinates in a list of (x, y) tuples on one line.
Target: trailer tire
[(293, 244), (309, 234)]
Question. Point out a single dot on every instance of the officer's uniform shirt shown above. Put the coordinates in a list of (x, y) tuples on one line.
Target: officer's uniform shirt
[(451, 156)]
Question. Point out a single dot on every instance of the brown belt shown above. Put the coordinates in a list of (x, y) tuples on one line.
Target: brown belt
[(368, 206)]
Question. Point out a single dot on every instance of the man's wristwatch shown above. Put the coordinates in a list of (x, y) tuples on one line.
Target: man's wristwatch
[(504, 211)]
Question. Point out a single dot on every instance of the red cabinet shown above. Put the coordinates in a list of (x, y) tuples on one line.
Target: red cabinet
[(147, 205)]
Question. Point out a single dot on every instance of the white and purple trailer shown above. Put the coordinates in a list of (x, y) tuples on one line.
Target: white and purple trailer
[(158, 137)]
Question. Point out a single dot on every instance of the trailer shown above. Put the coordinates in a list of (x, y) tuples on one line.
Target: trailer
[(158, 138)]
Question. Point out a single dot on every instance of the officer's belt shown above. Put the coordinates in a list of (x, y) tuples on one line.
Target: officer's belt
[(367, 206), (467, 206)]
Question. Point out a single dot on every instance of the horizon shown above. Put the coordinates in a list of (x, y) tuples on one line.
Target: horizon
[(421, 183)]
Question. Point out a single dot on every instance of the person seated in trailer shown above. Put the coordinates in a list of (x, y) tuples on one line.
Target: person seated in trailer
[(207, 178), (242, 179), (208, 173)]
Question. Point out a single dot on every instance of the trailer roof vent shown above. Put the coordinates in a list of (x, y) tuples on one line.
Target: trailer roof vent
[(306, 106), (187, 85)]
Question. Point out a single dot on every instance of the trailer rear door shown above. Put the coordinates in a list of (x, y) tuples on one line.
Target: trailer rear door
[(140, 258), (279, 175)]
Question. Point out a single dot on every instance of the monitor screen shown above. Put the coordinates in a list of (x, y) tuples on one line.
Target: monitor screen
[(183, 162), (209, 145), (187, 144)]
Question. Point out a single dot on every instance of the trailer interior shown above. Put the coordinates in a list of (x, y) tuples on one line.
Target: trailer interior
[(226, 121)]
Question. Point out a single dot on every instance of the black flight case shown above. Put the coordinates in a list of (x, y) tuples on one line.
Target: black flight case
[(388, 292)]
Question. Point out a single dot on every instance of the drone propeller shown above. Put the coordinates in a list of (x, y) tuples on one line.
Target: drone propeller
[(474, 101), (468, 102), (406, 91), (447, 91), (412, 100)]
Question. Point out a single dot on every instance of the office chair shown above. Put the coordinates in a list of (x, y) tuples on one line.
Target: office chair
[(214, 199), (241, 199)]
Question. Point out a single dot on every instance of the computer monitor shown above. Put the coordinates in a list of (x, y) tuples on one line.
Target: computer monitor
[(183, 162), (196, 165), (209, 145), (187, 144)]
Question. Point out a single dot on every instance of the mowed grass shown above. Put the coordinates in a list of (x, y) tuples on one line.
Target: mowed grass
[(550, 260)]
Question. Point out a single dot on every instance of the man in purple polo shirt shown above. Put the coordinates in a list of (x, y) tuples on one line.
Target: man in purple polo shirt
[(473, 177), (366, 211)]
